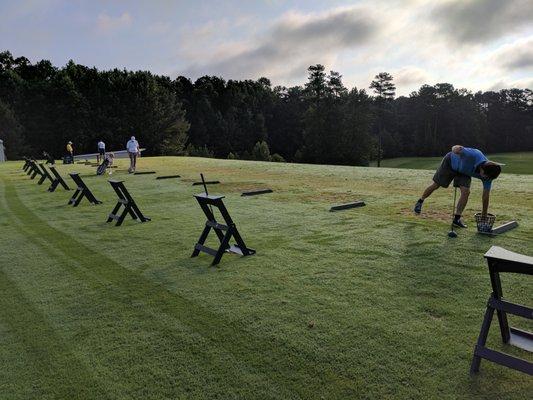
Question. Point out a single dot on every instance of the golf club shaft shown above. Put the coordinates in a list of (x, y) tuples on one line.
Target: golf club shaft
[(205, 186), (206, 192)]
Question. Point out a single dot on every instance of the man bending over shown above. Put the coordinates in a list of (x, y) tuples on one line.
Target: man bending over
[(459, 166)]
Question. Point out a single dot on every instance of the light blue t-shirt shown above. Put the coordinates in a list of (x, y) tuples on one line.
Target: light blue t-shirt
[(466, 163)]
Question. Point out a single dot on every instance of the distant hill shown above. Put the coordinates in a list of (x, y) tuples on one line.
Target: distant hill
[(516, 163)]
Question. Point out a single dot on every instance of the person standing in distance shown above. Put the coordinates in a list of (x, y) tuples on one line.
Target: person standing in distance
[(70, 153), (133, 151), (101, 152)]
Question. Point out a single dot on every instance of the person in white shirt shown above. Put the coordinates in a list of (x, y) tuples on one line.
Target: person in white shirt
[(101, 152), (133, 151)]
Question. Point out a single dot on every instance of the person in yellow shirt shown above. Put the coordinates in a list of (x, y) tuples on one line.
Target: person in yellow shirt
[(70, 153)]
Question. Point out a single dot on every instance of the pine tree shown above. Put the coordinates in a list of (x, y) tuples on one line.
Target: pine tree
[(385, 90)]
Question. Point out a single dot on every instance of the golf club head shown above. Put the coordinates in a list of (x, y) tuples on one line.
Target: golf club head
[(452, 234)]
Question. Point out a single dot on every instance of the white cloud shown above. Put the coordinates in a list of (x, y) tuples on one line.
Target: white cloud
[(410, 75), (106, 23), (517, 56), (292, 43), (525, 83), (416, 43)]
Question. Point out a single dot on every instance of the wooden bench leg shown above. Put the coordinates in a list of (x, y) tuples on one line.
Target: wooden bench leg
[(482, 339)]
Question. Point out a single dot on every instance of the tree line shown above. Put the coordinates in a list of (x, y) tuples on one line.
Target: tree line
[(42, 107)]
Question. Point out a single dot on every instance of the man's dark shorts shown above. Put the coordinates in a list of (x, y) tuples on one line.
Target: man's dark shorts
[(445, 174), (101, 152)]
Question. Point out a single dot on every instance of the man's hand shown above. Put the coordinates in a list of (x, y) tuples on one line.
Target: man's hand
[(485, 201), (457, 149)]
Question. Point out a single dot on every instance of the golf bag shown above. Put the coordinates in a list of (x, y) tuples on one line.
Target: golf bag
[(102, 167)]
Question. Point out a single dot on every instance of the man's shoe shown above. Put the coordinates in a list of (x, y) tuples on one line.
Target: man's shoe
[(418, 207), (459, 223)]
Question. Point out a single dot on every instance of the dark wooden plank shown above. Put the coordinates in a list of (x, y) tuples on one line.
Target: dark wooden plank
[(168, 176), (347, 206), (505, 359), (206, 249), (144, 173), (207, 183), (256, 192)]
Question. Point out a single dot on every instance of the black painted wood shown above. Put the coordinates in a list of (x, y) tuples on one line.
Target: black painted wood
[(347, 206), (44, 174), (256, 192), (224, 232), (504, 261), (124, 200), (57, 180), (81, 191), (207, 183)]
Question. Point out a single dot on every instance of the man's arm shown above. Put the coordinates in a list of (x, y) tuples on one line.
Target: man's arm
[(457, 149), (485, 201)]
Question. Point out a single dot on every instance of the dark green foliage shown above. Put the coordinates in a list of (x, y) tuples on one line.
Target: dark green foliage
[(175, 137), (85, 105), (10, 132), (277, 158), (42, 107), (261, 152), (201, 151), (383, 87)]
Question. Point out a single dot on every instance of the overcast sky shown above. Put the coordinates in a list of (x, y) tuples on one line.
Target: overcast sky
[(476, 44)]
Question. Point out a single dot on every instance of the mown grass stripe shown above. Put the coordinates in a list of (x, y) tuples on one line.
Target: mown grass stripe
[(60, 370), (142, 315), (273, 359)]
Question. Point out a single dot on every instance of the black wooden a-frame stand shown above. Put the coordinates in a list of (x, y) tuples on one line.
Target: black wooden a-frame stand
[(206, 202), (124, 199), (57, 180), (501, 260), (26, 164), (81, 191), (34, 170), (29, 168), (44, 174)]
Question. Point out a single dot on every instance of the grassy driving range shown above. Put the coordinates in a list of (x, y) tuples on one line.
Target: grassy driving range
[(370, 303)]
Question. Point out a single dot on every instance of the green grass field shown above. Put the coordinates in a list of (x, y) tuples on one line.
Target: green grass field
[(368, 303), (516, 163)]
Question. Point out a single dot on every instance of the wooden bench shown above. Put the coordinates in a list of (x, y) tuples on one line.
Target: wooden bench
[(124, 199), (58, 180), (224, 231), (81, 191), (34, 170), (26, 164), (44, 174), (505, 261)]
